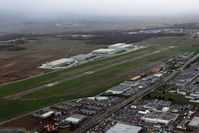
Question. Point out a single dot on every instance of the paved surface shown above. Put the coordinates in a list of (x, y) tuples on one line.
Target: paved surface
[(191, 60), (145, 68), (123, 104), (100, 118), (23, 93), (119, 106)]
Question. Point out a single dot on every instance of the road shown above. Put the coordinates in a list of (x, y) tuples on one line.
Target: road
[(192, 59), (114, 109), (23, 93), (123, 104)]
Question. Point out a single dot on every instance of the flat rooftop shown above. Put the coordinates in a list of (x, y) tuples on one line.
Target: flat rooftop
[(194, 122), (104, 50), (118, 44), (60, 61), (162, 115), (155, 103), (123, 128)]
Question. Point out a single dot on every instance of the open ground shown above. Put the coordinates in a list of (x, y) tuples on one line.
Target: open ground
[(20, 64), (12, 108)]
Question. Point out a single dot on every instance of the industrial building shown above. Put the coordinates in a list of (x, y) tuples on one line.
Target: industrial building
[(43, 113), (104, 51), (98, 98), (58, 63), (135, 78), (156, 69), (82, 57), (157, 104), (121, 88), (121, 46), (123, 128), (76, 118), (194, 124), (160, 117)]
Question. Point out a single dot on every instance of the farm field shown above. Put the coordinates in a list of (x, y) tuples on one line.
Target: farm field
[(20, 64)]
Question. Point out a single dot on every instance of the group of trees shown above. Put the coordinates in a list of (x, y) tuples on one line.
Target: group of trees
[(160, 97)]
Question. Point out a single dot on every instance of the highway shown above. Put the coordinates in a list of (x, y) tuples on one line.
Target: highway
[(94, 121), (23, 93), (116, 108), (121, 105), (192, 59)]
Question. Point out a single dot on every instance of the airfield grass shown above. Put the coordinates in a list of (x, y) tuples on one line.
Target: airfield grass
[(75, 86), (37, 81), (13, 108), (154, 44)]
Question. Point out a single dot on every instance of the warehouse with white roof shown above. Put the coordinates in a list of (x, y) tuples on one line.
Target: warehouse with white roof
[(58, 63), (76, 118), (104, 51), (82, 57), (123, 128), (194, 124), (43, 113), (121, 46), (160, 117)]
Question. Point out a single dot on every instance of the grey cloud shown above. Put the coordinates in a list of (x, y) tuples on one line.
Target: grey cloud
[(100, 7)]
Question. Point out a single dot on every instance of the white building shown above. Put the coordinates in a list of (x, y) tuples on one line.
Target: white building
[(165, 109), (144, 112), (121, 46), (43, 113), (104, 51), (160, 117), (123, 128), (194, 123), (82, 57), (76, 118), (100, 98), (58, 63), (121, 88)]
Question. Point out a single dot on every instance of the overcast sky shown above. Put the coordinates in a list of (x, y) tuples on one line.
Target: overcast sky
[(100, 7)]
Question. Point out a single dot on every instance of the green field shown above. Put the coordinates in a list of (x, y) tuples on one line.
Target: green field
[(99, 77), (34, 82), (174, 98), (75, 88)]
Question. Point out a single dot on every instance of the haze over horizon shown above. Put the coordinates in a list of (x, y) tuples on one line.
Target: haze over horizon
[(50, 8)]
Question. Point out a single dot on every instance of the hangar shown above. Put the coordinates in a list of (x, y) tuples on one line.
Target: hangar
[(121, 46), (82, 57), (76, 118), (104, 51), (58, 63)]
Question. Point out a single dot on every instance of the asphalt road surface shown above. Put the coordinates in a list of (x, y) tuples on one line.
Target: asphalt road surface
[(123, 104)]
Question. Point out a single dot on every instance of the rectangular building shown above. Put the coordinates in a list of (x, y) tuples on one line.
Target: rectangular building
[(124, 128), (194, 124), (160, 117)]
